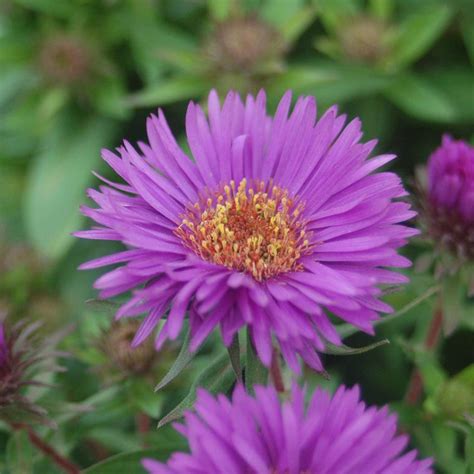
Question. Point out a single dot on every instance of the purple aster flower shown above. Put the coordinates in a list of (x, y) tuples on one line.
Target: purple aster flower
[(450, 200), (273, 224), (337, 434)]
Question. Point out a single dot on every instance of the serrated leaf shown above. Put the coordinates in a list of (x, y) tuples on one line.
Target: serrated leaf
[(181, 362), (417, 34), (346, 350), (218, 377), (58, 179)]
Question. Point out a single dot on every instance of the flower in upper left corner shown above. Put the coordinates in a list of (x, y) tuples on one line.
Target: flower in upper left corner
[(26, 359)]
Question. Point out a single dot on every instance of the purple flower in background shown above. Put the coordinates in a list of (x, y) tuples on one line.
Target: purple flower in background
[(337, 434), (450, 200), (274, 223)]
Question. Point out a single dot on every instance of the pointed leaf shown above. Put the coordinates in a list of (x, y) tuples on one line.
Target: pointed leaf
[(218, 377), (234, 356), (184, 358), (346, 350)]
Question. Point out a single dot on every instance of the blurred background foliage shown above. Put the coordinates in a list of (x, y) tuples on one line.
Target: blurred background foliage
[(79, 75)]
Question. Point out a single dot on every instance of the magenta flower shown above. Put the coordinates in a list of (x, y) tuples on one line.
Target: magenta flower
[(274, 223), (451, 195), (337, 434)]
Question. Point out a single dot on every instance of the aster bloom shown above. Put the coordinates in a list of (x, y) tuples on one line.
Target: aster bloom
[(450, 199), (273, 224), (337, 434)]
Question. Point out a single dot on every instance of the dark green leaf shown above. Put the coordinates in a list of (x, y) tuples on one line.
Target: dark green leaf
[(255, 372), (58, 180), (142, 396), (129, 463), (184, 358), (234, 356), (218, 377)]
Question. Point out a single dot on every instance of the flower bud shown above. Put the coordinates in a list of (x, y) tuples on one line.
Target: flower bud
[(241, 44), (117, 345), (449, 198), (65, 59)]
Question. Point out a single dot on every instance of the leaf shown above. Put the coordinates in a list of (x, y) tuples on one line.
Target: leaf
[(143, 398), (452, 296), (346, 330), (129, 463), (58, 179), (417, 34), (218, 377), (382, 8), (169, 90), (234, 356), (346, 350), (19, 453), (467, 27), (277, 12), (52, 7), (419, 97), (181, 362), (103, 306), (255, 372), (219, 9), (296, 24)]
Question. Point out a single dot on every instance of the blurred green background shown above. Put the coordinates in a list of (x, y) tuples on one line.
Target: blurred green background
[(79, 75)]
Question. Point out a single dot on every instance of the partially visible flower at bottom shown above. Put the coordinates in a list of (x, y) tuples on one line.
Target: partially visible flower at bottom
[(334, 434), (24, 361)]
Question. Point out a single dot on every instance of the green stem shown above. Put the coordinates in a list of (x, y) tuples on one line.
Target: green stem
[(255, 372)]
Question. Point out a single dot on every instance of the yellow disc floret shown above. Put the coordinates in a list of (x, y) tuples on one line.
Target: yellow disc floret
[(258, 229)]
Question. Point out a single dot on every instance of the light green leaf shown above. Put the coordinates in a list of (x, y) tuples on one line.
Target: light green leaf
[(296, 24), (169, 90), (219, 9), (420, 98), (382, 8), (143, 398), (417, 34), (58, 179)]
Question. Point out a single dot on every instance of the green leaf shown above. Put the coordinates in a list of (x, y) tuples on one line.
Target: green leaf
[(420, 98), (417, 34), (277, 12), (255, 372), (296, 24), (219, 9), (52, 7), (143, 398), (128, 462), (467, 27), (346, 350), (469, 449), (57, 182), (181, 362), (19, 453), (234, 356), (169, 90), (218, 377), (382, 8), (452, 296), (346, 330)]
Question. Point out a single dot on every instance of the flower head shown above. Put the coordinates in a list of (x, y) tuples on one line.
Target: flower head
[(261, 435), (276, 223), (450, 196), (23, 359)]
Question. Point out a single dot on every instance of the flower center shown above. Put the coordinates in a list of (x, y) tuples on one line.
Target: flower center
[(257, 230)]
